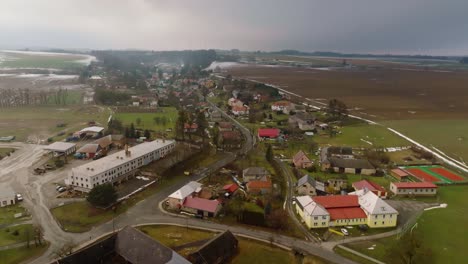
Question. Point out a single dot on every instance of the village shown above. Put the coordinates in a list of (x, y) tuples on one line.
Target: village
[(212, 148)]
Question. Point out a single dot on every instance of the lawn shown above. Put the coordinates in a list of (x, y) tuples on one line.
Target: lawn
[(354, 136), (7, 234), (19, 255), (55, 61), (432, 230), (5, 151), (73, 97), (449, 136), (149, 120), (7, 214), (174, 236), (259, 253), (41, 121)]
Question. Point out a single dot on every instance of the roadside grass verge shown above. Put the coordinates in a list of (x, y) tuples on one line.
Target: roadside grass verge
[(22, 254), (352, 256)]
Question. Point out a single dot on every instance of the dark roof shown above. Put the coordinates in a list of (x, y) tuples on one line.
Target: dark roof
[(304, 179), (340, 150), (307, 117), (217, 250), (351, 163), (255, 171), (129, 244)]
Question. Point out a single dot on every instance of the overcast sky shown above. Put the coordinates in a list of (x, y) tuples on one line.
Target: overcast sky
[(374, 26)]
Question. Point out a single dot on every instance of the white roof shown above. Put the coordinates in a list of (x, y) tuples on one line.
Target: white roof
[(94, 129), (95, 77), (310, 207), (372, 204), (60, 146), (119, 158), (6, 192), (186, 190)]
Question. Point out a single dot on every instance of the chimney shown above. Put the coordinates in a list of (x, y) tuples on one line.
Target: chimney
[(127, 152)]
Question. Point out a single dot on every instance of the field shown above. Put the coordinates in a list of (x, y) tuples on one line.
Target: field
[(20, 255), (148, 120), (433, 230), (435, 174), (40, 122), (39, 60)]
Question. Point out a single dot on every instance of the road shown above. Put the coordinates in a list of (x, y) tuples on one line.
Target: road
[(288, 200)]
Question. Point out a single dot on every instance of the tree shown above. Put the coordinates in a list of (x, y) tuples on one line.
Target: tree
[(269, 153), (337, 108), (202, 125), (180, 123), (278, 219), (138, 121), (115, 126), (102, 195), (147, 134), (132, 130), (216, 136), (411, 250)]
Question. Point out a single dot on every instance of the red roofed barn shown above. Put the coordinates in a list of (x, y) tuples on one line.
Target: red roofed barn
[(370, 186), (268, 132), (413, 188), (201, 206), (343, 209)]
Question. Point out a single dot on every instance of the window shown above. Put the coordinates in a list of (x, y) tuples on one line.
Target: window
[(324, 217), (375, 223), (323, 223), (315, 217), (315, 224), (383, 222)]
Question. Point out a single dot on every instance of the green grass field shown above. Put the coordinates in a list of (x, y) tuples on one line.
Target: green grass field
[(41, 121), (20, 255), (31, 60), (74, 97), (433, 230), (174, 236), (147, 120), (354, 135), (7, 214), (7, 234), (449, 136)]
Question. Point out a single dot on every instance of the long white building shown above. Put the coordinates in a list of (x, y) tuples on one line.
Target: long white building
[(118, 166)]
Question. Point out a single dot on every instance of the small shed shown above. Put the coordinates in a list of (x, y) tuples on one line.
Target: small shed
[(61, 148), (399, 174), (7, 196)]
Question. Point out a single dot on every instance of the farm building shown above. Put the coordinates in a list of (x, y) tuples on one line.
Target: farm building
[(306, 186), (264, 133), (200, 206), (7, 196), (118, 166), (89, 150), (370, 186), (219, 249), (362, 208), (177, 198), (255, 174), (61, 148), (300, 160), (399, 174), (259, 187), (303, 121), (413, 188), (129, 246), (91, 131), (230, 188)]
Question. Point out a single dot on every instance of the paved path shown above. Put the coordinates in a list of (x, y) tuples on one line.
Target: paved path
[(361, 255)]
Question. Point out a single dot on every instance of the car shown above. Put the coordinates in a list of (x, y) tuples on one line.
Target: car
[(58, 187), (344, 231), (19, 197), (61, 189)]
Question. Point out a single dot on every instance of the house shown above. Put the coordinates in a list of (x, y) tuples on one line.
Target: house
[(177, 198), (303, 121), (240, 110), (370, 186), (89, 150), (200, 206), (61, 148), (129, 246), (217, 250), (399, 174), (337, 184), (231, 139), (300, 160), (7, 196), (216, 116), (105, 142), (271, 133), (190, 128), (341, 160), (230, 188), (225, 126), (280, 106), (313, 214), (414, 188), (306, 186), (255, 174), (259, 187), (235, 102)]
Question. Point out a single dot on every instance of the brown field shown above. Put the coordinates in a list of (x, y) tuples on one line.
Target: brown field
[(384, 93)]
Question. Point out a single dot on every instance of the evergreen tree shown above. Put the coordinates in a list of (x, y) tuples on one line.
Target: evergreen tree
[(269, 153), (147, 134), (132, 130)]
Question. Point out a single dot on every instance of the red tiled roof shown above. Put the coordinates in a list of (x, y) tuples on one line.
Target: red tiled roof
[(411, 185), (371, 186), (230, 134), (231, 187), (400, 172), (192, 126), (259, 185), (337, 201), (282, 103), (225, 124), (346, 213), (239, 108), (201, 204), (268, 132)]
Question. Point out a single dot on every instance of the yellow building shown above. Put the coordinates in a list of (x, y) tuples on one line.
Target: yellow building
[(314, 215)]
